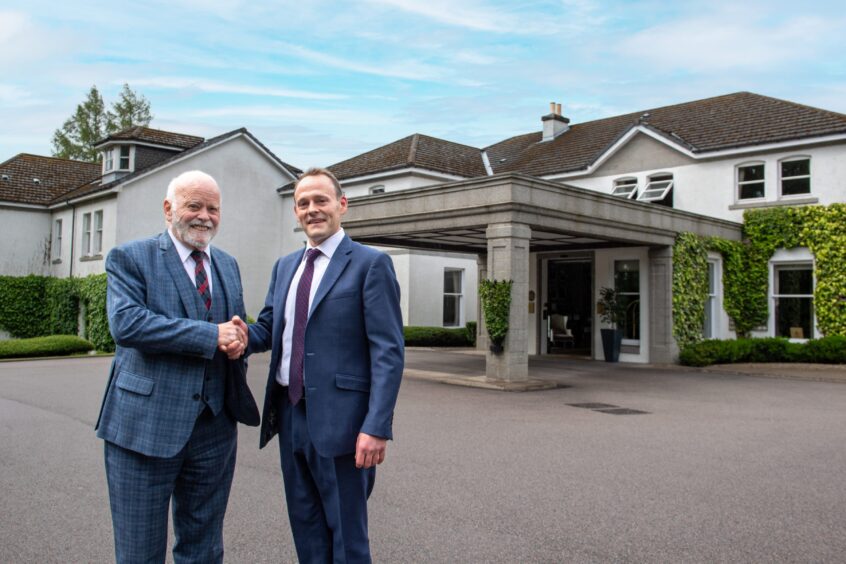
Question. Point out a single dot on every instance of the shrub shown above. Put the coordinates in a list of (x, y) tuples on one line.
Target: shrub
[(471, 332), (54, 345), (435, 337), (828, 350), (23, 312)]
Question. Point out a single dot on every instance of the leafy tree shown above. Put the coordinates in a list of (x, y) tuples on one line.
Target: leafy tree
[(129, 110), (91, 122)]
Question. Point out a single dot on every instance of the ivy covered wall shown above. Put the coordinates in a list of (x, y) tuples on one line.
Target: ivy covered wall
[(746, 269)]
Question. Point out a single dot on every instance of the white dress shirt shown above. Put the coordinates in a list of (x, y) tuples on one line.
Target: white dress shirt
[(327, 249), (188, 263)]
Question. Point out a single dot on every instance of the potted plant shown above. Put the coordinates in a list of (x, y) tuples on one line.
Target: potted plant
[(611, 310), (496, 306)]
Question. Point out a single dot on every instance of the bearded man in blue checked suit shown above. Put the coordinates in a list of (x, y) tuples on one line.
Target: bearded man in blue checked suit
[(175, 306), (332, 319)]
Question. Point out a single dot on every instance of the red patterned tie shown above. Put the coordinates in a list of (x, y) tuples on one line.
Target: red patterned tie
[(295, 372), (200, 278)]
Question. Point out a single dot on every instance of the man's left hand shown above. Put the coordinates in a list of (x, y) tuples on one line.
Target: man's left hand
[(369, 450)]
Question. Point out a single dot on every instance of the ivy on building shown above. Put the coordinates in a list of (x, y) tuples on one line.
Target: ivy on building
[(822, 229)]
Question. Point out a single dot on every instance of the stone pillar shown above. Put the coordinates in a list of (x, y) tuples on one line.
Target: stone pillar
[(482, 342), (662, 344), (508, 259)]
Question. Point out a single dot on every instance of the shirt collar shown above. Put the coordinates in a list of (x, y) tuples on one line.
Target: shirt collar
[(184, 250), (330, 245)]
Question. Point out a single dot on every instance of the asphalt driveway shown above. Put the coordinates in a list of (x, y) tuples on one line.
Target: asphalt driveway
[(625, 464)]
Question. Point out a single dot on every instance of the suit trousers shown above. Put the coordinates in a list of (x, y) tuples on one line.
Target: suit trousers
[(198, 480), (326, 497)]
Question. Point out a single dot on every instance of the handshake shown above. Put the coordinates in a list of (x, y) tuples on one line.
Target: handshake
[(232, 337)]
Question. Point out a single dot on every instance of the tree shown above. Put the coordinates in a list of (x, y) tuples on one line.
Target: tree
[(129, 110), (91, 122)]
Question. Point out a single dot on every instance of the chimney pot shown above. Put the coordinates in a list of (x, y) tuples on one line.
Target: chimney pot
[(558, 109), (552, 107)]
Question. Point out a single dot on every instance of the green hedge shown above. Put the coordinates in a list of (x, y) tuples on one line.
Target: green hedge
[(36, 306), (435, 337), (828, 350), (54, 345)]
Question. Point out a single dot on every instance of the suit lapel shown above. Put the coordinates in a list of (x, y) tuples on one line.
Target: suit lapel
[(184, 286), (339, 262)]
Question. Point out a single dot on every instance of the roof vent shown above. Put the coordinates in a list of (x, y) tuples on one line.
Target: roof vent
[(36, 180), (644, 118), (5, 177), (554, 124)]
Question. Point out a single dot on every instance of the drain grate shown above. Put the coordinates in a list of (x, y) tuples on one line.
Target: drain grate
[(621, 411), (593, 405)]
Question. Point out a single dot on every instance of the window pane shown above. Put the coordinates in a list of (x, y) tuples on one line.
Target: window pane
[(712, 278), (795, 168), (796, 186), (631, 326), (753, 172), (661, 178), (708, 327), (748, 191), (793, 318), (626, 276), (452, 316), (795, 281), (452, 281), (98, 220)]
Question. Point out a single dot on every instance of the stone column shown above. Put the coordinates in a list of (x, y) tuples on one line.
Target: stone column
[(662, 344), (508, 259), (481, 333)]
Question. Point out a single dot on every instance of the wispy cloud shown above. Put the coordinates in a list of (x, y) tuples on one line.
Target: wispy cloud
[(204, 85)]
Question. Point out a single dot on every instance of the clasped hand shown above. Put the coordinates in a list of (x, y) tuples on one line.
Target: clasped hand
[(232, 337)]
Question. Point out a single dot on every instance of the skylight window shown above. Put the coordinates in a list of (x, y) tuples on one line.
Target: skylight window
[(657, 189)]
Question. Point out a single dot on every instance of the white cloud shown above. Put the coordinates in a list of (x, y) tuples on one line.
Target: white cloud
[(469, 15), (203, 85)]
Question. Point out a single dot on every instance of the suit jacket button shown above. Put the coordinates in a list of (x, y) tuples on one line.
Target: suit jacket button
[(196, 397)]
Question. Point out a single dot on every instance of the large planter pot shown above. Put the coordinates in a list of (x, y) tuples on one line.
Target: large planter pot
[(611, 341)]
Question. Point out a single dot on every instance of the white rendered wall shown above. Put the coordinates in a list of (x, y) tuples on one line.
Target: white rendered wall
[(93, 263), (426, 287), (708, 187), (25, 244), (251, 210), (60, 266)]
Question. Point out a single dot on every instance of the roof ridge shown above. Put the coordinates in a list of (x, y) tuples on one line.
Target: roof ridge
[(412, 151)]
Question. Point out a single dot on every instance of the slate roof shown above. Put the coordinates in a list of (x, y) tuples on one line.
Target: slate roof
[(156, 136), (420, 151), (56, 177), (731, 121)]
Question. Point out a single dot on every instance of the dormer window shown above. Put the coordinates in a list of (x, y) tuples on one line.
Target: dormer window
[(377, 189), (658, 187), (117, 159), (108, 160), (123, 163), (625, 188)]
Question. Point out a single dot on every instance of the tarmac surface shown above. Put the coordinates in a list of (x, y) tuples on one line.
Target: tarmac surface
[(620, 463)]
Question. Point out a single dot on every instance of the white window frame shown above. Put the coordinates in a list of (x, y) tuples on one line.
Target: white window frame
[(774, 295), (738, 183), (459, 297), (56, 250), (710, 325), (657, 187), (86, 234), (97, 244), (638, 301), (376, 189), (782, 178), (108, 160), (121, 157), (625, 188)]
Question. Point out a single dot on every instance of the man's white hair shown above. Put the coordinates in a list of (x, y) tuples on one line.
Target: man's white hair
[(187, 179)]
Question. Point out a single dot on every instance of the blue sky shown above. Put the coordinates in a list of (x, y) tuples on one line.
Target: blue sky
[(321, 81)]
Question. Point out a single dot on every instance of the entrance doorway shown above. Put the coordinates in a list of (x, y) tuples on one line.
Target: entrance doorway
[(568, 313)]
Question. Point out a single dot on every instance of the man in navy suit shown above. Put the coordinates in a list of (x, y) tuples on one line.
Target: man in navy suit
[(332, 319), (174, 306)]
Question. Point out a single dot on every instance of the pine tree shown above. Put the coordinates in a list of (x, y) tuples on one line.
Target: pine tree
[(92, 123)]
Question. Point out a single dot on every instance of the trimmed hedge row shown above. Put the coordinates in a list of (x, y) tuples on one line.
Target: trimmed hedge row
[(436, 337), (54, 345), (827, 350)]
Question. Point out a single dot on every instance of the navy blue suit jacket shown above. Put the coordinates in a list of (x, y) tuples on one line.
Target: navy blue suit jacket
[(354, 347), (163, 341)]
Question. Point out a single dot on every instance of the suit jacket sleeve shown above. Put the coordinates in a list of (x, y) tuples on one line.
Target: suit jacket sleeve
[(133, 323), (383, 323)]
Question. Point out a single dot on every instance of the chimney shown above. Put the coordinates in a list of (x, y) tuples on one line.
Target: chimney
[(554, 124)]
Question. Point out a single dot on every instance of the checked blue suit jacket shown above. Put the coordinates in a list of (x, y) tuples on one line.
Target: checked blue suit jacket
[(354, 347), (163, 341)]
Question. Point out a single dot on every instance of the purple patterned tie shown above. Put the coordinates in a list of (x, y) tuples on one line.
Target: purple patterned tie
[(201, 279), (295, 372)]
